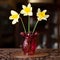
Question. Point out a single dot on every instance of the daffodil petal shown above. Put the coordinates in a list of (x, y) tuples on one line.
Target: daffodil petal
[(22, 11), (25, 14), (29, 5), (45, 19), (38, 19), (30, 8), (37, 14), (30, 14), (39, 10), (10, 18), (45, 11), (13, 12), (46, 16), (14, 21), (23, 6)]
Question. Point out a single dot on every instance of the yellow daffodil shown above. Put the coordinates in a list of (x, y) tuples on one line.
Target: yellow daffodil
[(14, 16), (41, 15), (27, 10)]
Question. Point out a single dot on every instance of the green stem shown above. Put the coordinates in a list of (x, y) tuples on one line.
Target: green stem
[(28, 24), (23, 25), (35, 26)]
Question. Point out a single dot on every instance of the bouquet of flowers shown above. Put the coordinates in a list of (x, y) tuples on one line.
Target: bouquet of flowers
[(29, 44), (27, 11)]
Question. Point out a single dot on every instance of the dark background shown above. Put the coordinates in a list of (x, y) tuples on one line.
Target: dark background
[(49, 31)]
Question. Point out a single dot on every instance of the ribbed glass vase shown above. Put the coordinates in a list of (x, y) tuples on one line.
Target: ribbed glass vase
[(29, 43)]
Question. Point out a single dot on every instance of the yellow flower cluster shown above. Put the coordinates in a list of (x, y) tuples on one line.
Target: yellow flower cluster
[(27, 11)]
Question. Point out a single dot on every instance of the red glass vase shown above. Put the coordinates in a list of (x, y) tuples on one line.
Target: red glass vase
[(29, 44)]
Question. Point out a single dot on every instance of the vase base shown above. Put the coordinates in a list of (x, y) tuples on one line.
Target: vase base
[(29, 53)]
